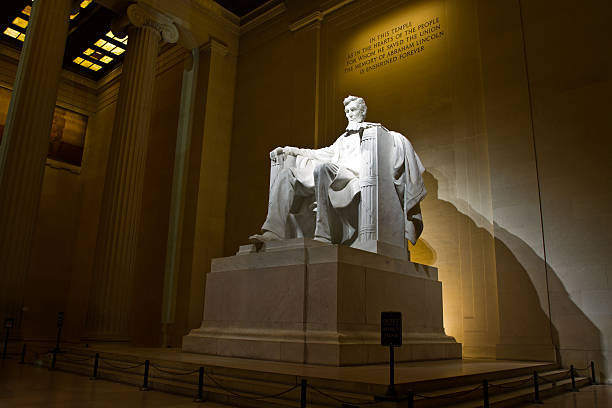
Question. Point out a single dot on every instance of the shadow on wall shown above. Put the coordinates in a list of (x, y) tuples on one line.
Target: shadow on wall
[(525, 329)]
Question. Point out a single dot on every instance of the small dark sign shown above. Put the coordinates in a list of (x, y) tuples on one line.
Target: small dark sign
[(60, 319), (9, 322), (391, 328)]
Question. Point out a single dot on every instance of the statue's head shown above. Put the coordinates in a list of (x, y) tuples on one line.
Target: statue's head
[(355, 108)]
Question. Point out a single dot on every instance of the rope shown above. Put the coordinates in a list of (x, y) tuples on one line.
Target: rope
[(76, 360), (118, 367), (247, 396), (170, 371), (363, 402), (588, 367), (510, 387), (452, 395)]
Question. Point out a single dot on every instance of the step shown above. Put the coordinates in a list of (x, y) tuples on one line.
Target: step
[(181, 378), (524, 395), (470, 379), (457, 394)]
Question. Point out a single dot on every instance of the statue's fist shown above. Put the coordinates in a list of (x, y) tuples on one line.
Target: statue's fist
[(276, 152), (293, 151)]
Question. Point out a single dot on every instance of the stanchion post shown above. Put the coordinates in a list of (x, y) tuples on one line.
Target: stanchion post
[(54, 358), (94, 375), (391, 392), (536, 388), (60, 323), (593, 378), (303, 393), (23, 354), (5, 344), (200, 397), (573, 376), (410, 399), (8, 324), (485, 394), (145, 381)]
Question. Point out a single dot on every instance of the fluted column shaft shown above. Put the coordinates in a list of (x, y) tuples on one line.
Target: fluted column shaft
[(25, 144), (108, 314)]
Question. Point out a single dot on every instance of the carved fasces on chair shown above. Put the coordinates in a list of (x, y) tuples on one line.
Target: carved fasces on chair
[(368, 185), (381, 216)]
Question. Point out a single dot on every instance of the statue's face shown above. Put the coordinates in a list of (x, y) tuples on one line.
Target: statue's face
[(354, 112)]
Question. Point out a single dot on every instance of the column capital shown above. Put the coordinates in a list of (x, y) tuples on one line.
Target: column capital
[(140, 15)]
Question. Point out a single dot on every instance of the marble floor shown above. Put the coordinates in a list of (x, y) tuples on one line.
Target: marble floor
[(594, 396), (28, 386)]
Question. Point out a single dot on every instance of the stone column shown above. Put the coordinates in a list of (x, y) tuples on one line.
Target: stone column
[(25, 143), (108, 314)]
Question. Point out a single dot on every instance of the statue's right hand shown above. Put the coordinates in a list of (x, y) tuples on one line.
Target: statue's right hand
[(276, 152)]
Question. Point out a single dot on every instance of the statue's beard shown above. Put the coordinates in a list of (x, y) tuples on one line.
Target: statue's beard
[(354, 124)]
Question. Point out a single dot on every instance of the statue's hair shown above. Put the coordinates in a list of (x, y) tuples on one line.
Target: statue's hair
[(359, 100)]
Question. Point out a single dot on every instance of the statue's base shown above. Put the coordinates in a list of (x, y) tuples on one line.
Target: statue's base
[(307, 302)]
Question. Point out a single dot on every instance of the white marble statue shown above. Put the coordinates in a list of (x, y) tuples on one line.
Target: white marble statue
[(315, 192)]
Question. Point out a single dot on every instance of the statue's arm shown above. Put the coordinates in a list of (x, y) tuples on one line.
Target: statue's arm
[(324, 154)]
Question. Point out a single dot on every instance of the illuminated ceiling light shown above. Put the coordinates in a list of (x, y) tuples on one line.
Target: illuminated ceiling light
[(108, 46), (83, 4), (88, 51), (78, 60), (11, 33), (118, 51), (21, 37), (27, 10), (114, 37), (95, 67), (20, 22), (106, 59), (100, 43), (86, 63)]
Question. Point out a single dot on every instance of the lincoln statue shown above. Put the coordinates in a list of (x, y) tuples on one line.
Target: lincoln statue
[(315, 192)]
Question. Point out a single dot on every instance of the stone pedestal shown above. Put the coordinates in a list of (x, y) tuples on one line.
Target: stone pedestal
[(307, 302)]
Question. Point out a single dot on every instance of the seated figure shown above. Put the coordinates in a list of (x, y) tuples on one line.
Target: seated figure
[(315, 193)]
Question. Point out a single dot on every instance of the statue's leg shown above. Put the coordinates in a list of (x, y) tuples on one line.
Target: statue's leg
[(324, 175), (281, 198)]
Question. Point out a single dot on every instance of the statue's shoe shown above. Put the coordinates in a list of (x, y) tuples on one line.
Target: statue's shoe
[(267, 236)]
